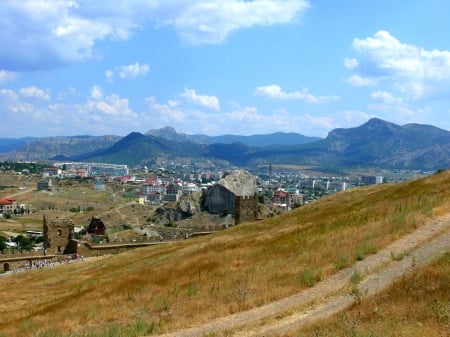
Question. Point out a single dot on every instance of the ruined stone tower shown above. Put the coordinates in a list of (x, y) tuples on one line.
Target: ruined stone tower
[(246, 209), (58, 236)]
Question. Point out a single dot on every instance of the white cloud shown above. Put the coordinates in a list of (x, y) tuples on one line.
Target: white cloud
[(275, 92), (389, 105), (354, 117), (96, 93), (166, 114), (210, 102), (183, 111), (212, 21), (6, 76), (416, 72), (27, 107), (8, 94), (402, 112), (40, 34), (359, 81), (133, 70), (351, 63), (386, 97), (128, 71), (38, 114), (254, 121), (246, 113), (34, 92), (109, 75), (112, 105)]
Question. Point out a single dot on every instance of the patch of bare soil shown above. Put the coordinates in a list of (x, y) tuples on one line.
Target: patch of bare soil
[(335, 293)]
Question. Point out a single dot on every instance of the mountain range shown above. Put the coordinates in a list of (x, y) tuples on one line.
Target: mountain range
[(377, 143), (277, 138)]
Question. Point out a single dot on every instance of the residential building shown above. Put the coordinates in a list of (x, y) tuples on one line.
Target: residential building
[(153, 198), (45, 185), (8, 205), (172, 193), (282, 199), (51, 172), (97, 169)]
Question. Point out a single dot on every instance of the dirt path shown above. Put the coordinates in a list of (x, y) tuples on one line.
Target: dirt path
[(332, 295)]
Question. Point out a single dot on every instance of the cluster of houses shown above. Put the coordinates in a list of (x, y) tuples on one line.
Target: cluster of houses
[(285, 199), (155, 190)]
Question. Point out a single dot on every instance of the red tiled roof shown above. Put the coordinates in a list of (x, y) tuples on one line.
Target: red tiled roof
[(281, 194), (7, 201)]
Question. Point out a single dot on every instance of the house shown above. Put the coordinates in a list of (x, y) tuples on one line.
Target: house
[(8, 205), (282, 199)]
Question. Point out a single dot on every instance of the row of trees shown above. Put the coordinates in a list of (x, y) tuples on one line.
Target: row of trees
[(32, 168), (22, 242)]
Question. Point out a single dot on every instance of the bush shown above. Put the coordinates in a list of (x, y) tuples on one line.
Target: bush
[(309, 277)]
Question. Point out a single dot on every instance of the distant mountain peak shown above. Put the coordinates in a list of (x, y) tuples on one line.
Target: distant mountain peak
[(377, 123), (167, 132)]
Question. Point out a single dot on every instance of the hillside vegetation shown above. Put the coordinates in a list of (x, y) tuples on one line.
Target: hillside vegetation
[(158, 289), (417, 305)]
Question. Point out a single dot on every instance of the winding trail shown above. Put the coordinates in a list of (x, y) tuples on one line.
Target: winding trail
[(332, 295)]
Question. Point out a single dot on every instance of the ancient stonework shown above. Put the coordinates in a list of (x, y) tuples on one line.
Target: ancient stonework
[(234, 194), (58, 234), (246, 209)]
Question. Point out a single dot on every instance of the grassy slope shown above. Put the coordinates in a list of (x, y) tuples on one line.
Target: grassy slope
[(418, 305), (158, 289)]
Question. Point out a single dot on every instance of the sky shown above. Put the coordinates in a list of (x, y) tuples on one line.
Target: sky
[(215, 67)]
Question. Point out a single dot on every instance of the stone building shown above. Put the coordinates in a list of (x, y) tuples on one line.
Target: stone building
[(246, 209), (59, 236), (235, 193)]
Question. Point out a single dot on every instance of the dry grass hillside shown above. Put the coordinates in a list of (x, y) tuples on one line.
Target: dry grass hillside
[(417, 305), (154, 290)]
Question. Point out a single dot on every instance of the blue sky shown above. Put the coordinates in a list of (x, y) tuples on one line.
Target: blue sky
[(99, 67)]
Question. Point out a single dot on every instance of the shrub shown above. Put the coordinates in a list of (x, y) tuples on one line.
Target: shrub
[(309, 277)]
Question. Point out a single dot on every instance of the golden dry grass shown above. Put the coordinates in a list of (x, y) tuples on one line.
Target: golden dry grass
[(418, 305), (163, 288)]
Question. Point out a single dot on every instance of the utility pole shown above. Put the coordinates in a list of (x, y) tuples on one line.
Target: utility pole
[(270, 176)]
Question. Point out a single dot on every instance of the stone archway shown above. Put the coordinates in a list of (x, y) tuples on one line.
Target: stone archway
[(6, 267)]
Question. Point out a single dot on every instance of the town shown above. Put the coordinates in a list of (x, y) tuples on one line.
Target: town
[(174, 202)]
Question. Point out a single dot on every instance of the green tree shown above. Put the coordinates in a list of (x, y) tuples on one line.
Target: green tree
[(23, 242), (2, 243)]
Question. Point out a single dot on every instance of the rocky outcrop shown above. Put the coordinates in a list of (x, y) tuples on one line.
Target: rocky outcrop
[(187, 208), (239, 182)]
